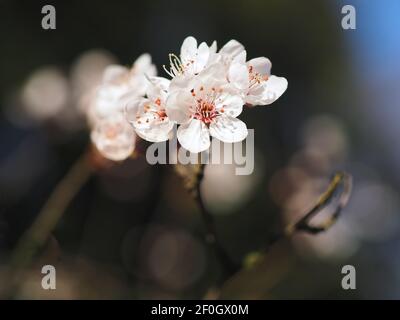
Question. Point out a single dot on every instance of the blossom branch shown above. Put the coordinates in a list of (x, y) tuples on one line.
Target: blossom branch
[(211, 235)]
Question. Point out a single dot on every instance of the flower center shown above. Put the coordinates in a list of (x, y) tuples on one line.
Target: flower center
[(255, 77), (205, 111), (111, 132), (162, 115), (204, 108)]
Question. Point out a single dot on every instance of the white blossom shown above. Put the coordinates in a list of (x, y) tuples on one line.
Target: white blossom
[(114, 137), (253, 77), (205, 96), (120, 85), (207, 105), (192, 60), (111, 132), (148, 115)]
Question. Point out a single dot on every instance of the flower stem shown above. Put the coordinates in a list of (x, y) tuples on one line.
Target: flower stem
[(211, 233)]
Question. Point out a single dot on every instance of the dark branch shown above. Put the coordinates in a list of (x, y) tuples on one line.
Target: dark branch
[(212, 236), (340, 186)]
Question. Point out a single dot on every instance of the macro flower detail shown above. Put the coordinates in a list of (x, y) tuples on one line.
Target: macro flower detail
[(111, 133), (253, 77), (148, 115), (263, 88), (114, 137), (207, 106), (192, 60), (205, 96), (120, 84)]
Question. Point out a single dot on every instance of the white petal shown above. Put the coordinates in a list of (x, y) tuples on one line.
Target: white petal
[(141, 69), (272, 89), (160, 82), (239, 76), (134, 112), (108, 99), (213, 47), (157, 88), (148, 123), (158, 131), (188, 48), (127, 97), (113, 73), (241, 57), (232, 49), (254, 96), (228, 129), (231, 104), (214, 57), (261, 65), (180, 82), (202, 56), (214, 75), (194, 136), (143, 63), (114, 137), (178, 106)]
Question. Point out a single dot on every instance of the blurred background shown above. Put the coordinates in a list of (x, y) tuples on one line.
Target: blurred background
[(133, 231)]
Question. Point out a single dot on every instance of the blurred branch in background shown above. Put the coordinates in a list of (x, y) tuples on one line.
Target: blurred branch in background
[(36, 236), (340, 187), (341, 180)]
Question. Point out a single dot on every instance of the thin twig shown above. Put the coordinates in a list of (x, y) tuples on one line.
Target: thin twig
[(340, 180), (211, 235)]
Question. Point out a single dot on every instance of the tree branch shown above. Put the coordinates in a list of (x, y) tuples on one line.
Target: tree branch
[(37, 234), (341, 180), (211, 233)]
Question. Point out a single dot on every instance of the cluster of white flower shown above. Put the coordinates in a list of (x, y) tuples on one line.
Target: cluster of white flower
[(206, 94), (111, 132)]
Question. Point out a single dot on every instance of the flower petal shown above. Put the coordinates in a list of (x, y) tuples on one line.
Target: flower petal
[(194, 136), (108, 99), (213, 47), (214, 75), (240, 58), (133, 107), (269, 92), (157, 88), (232, 105), (202, 55), (113, 73), (261, 65), (136, 112), (179, 82), (147, 121), (144, 65), (238, 75), (157, 131), (114, 137), (188, 49), (228, 129), (178, 106), (231, 49)]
